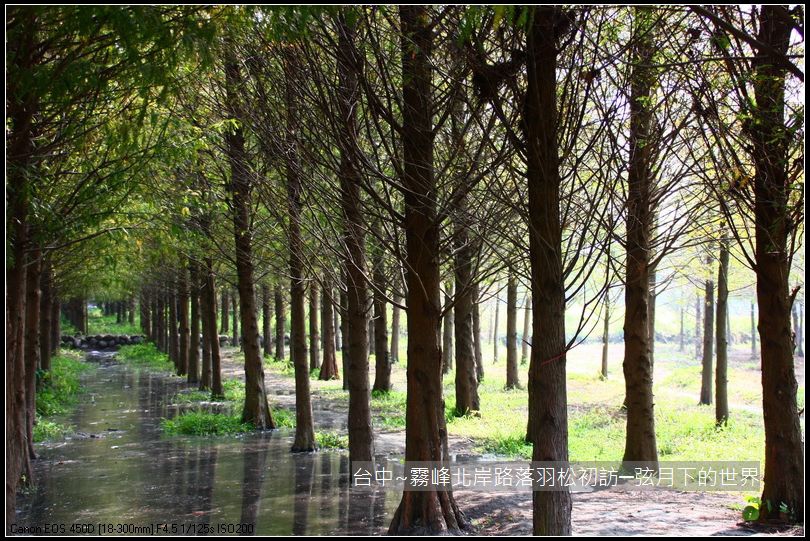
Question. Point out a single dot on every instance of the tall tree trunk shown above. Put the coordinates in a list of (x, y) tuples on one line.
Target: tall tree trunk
[(83, 323), (304, 431), (20, 113), (45, 315), (467, 399), (448, 324), (174, 334), (698, 327), (721, 374), (754, 354), (213, 344), (681, 332), (653, 299), (355, 330), (267, 315), (344, 329), (337, 325), (640, 444), (395, 324), (56, 321), (281, 322), (329, 369), (225, 302), (161, 319), (708, 342), (382, 360), (185, 331), (527, 326), (431, 511), (371, 343), (495, 326), (131, 307), (784, 457), (146, 320), (256, 410), (605, 338), (194, 331), (153, 310), (208, 332), (235, 316), (314, 331), (548, 415), (32, 345), (479, 354), (512, 379)]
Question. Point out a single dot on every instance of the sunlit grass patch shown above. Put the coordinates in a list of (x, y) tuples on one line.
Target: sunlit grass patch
[(101, 324), (512, 446), (331, 440), (684, 377), (145, 355), (390, 408), (201, 423)]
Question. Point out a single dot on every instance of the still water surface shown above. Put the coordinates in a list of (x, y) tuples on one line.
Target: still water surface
[(120, 469)]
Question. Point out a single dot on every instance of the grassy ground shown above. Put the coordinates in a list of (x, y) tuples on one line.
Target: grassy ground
[(59, 389), (199, 422), (684, 430), (145, 355), (97, 323)]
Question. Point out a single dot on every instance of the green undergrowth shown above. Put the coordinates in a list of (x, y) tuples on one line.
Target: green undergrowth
[(47, 430), (204, 423), (284, 418), (233, 391), (59, 387), (101, 324), (331, 440), (145, 355), (683, 433), (58, 390)]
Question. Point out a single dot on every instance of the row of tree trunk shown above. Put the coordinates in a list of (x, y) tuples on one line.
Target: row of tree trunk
[(33, 335), (123, 310)]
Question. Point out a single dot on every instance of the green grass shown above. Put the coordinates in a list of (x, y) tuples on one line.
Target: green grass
[(201, 423), (684, 377), (145, 355), (101, 324), (281, 366), (59, 387), (47, 430), (331, 440), (683, 432), (511, 446), (391, 408), (284, 418), (204, 423)]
